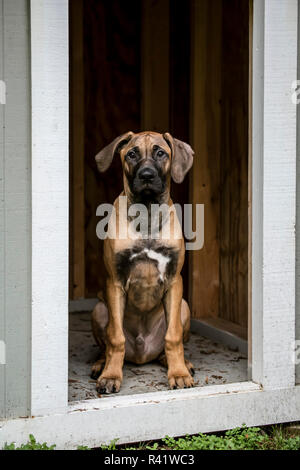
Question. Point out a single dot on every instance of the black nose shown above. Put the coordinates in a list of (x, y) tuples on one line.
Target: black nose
[(147, 174)]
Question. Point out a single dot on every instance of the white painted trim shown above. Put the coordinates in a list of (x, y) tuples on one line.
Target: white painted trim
[(257, 189), (153, 416), (116, 401), (50, 204), (274, 192)]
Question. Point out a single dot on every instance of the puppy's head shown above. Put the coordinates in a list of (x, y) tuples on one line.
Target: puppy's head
[(149, 160)]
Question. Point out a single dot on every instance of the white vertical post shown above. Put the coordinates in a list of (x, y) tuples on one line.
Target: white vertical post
[(50, 203), (274, 192)]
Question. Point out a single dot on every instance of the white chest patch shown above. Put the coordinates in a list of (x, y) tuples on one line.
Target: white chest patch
[(162, 260)]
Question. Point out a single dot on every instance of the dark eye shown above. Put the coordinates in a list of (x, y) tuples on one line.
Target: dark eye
[(160, 154), (131, 155)]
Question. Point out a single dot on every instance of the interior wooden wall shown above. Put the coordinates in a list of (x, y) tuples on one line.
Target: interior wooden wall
[(234, 162), (206, 77), (179, 66), (112, 107), (136, 77), (77, 142), (165, 80), (219, 133)]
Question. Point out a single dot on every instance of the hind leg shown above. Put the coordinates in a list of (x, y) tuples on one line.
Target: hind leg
[(98, 367), (186, 323), (99, 324), (186, 320)]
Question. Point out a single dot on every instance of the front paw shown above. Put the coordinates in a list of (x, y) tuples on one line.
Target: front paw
[(108, 384), (180, 380)]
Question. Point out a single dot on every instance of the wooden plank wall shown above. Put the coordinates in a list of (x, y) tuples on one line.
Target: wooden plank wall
[(77, 151), (179, 98), (234, 163), (219, 132), (205, 138), (165, 80), (112, 107), (15, 209), (155, 29), (130, 83)]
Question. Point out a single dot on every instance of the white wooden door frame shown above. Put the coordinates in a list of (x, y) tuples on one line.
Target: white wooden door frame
[(272, 396), (50, 204), (275, 52)]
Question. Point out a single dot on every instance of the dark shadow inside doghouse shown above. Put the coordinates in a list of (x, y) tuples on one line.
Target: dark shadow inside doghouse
[(155, 65)]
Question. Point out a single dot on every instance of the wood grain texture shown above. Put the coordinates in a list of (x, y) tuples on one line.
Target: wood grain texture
[(77, 142), (204, 109), (179, 100), (219, 126), (155, 27), (234, 162), (114, 86), (165, 80), (112, 107), (205, 139)]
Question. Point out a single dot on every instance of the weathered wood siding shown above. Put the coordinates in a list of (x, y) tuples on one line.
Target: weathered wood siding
[(298, 221), (15, 213), (233, 183), (219, 133)]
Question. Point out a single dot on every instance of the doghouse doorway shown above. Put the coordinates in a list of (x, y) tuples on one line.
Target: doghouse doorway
[(155, 64)]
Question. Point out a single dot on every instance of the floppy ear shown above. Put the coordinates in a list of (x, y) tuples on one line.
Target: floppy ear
[(106, 155), (182, 158)]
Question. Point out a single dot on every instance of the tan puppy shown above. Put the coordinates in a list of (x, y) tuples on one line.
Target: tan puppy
[(145, 317)]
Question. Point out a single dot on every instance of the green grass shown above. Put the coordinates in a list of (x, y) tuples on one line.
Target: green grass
[(238, 439), (269, 438), (30, 445)]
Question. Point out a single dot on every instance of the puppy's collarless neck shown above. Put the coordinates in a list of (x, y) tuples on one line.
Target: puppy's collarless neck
[(147, 201)]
